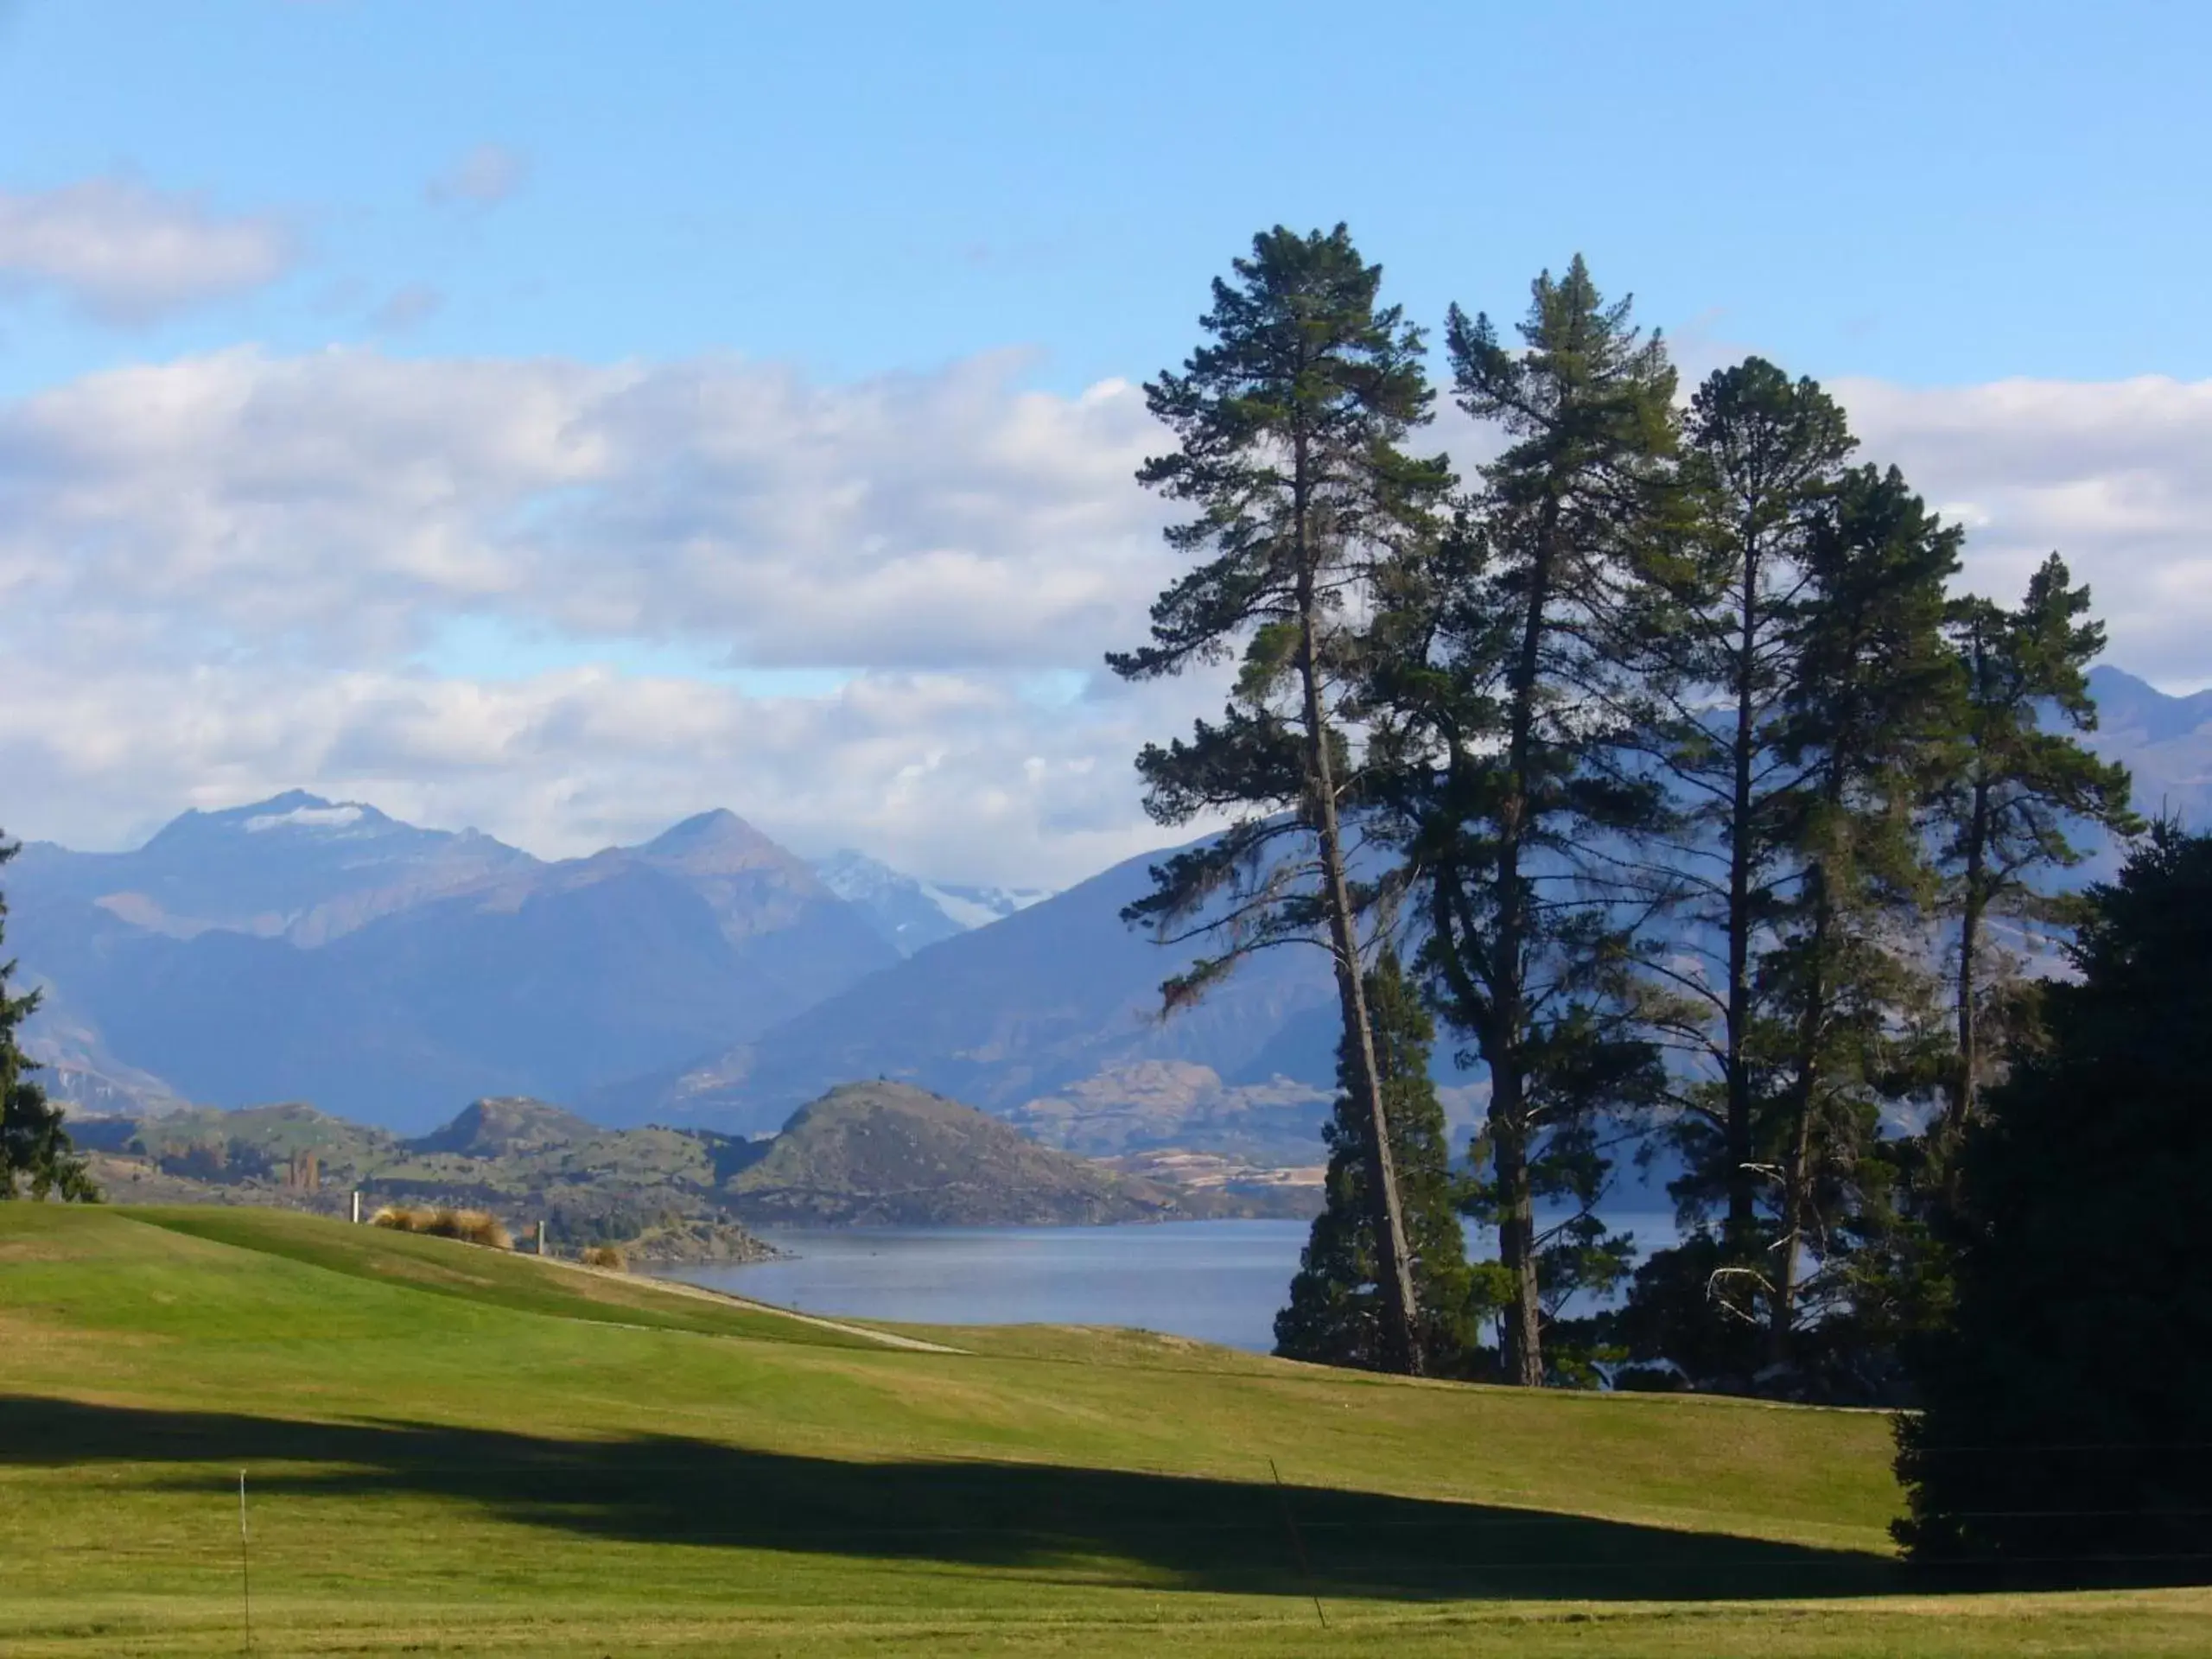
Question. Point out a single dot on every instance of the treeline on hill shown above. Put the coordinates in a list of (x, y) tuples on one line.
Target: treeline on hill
[(1659, 765)]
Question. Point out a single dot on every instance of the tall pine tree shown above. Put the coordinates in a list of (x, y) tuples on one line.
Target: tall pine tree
[(1289, 422), (2014, 782), (34, 1149), (1843, 980), (1336, 1315), (1761, 461), (1517, 702)]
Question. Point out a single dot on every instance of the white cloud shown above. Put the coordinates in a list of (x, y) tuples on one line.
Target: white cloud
[(2112, 475), (341, 504), (482, 178), (219, 576), (222, 576), (127, 254), (954, 774)]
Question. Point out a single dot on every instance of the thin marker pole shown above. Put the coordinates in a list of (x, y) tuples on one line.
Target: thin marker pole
[(246, 1567), (1298, 1544)]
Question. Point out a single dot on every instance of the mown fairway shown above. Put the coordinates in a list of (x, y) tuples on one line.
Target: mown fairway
[(450, 1450)]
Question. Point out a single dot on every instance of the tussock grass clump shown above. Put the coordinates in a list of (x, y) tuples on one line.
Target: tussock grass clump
[(606, 1255), (471, 1226)]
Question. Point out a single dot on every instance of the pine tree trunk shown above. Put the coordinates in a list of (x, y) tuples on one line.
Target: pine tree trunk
[(1520, 1345), (1782, 1312), (1523, 1343), (1394, 1267), (1965, 1085), (1743, 1220)]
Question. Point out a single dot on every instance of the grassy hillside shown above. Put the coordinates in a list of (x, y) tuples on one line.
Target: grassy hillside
[(522, 1159), (453, 1451)]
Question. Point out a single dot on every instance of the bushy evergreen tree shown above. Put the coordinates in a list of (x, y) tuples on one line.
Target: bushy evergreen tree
[(35, 1153), (2066, 1431), (1336, 1316)]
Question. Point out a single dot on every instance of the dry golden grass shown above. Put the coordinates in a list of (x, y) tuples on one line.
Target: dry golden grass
[(471, 1226), (606, 1255)]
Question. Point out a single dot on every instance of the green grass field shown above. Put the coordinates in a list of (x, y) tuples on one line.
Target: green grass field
[(452, 1451)]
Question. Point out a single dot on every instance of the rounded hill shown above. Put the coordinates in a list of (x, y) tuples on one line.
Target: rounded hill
[(887, 1153)]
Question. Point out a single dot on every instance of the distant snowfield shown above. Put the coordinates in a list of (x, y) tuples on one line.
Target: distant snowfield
[(981, 907), (305, 817)]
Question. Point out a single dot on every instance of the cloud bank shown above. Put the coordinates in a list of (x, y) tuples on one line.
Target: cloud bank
[(568, 603)]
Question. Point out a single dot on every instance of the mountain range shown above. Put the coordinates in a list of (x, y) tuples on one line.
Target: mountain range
[(299, 948)]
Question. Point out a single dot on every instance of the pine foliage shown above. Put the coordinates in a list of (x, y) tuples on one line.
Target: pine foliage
[(1334, 1317), (2016, 782), (35, 1154)]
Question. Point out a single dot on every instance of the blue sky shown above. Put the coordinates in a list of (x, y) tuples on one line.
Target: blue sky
[(563, 417), (1931, 193)]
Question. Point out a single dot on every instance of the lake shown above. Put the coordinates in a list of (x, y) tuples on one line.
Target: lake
[(1215, 1281)]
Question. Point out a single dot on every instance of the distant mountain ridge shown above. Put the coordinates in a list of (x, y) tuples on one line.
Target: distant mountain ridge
[(294, 867), (1054, 995), (303, 948)]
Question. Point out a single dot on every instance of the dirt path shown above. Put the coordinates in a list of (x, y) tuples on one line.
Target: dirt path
[(679, 1287)]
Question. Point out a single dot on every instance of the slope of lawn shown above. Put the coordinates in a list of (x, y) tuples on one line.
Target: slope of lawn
[(449, 1450)]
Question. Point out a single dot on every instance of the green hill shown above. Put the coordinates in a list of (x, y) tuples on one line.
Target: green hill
[(449, 1450), (872, 1154), (522, 1158), (512, 1123)]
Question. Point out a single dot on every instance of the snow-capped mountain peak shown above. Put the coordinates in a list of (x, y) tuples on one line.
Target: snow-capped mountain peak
[(909, 913)]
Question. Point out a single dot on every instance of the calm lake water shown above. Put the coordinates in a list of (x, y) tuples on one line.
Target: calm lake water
[(1217, 1280)]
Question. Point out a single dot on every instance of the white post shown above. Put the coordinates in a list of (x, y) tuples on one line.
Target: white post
[(357, 1207)]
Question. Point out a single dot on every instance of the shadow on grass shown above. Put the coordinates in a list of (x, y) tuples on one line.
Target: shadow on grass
[(1160, 1530)]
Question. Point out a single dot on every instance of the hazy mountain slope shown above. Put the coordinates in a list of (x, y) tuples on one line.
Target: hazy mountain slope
[(1155, 1104), (1049, 996), (2133, 713), (2166, 743)]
